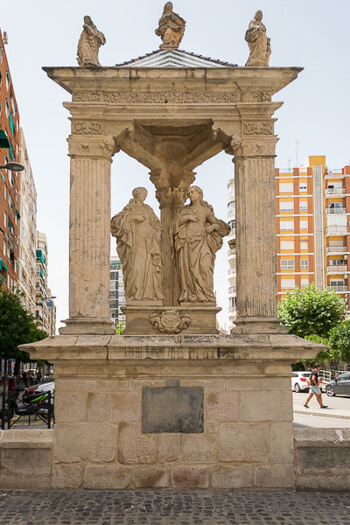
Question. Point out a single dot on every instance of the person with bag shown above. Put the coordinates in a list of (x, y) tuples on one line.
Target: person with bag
[(314, 387)]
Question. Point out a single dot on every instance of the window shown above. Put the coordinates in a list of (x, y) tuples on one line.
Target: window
[(338, 285), (286, 225), (287, 264), (7, 79), (304, 282), (232, 225), (304, 225), (302, 186), (303, 206), (287, 283), (286, 187), (304, 245), (304, 264), (287, 245), (286, 206), (7, 108)]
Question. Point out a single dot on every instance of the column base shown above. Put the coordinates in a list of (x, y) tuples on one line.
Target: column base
[(258, 325), (87, 326)]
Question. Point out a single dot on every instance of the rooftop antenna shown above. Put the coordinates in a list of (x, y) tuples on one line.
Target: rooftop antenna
[(296, 154), (289, 161)]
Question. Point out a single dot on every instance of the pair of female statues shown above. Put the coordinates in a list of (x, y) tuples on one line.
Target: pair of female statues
[(196, 235)]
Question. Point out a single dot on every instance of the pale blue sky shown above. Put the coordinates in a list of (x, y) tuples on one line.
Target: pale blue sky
[(316, 110)]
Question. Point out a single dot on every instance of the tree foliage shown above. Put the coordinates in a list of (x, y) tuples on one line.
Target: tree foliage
[(339, 340), (17, 326), (310, 311)]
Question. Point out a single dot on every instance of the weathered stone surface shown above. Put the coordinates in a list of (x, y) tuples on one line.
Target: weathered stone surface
[(126, 406), (135, 447), (221, 406), (207, 384), (190, 477), (266, 406), (211, 427), (232, 477), (198, 449), (26, 482), (281, 443), (276, 476), (172, 409), (258, 384), (168, 447), (68, 476), (65, 410), (336, 483), (138, 384), (246, 442), (107, 477), (27, 462), (97, 407), (83, 442), (151, 477)]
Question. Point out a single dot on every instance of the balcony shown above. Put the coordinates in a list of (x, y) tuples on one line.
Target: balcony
[(335, 211), (336, 249), (231, 271), (335, 191), (232, 311), (232, 289), (333, 269), (339, 287), (232, 252), (336, 230)]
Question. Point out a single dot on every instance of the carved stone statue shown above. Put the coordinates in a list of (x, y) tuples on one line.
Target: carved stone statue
[(138, 232), (259, 44), (197, 236), (171, 28), (89, 43)]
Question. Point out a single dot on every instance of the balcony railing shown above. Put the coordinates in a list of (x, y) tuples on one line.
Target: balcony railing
[(337, 268), (339, 287), (232, 289), (232, 271), (232, 309), (231, 252), (336, 230), (335, 191), (336, 249), (335, 211)]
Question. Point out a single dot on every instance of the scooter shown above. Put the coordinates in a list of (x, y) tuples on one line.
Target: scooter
[(39, 403)]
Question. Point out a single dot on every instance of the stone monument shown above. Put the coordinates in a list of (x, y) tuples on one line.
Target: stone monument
[(172, 403)]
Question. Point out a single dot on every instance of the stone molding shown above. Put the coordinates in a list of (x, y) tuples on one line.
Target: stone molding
[(88, 146), (175, 97), (86, 128), (257, 128)]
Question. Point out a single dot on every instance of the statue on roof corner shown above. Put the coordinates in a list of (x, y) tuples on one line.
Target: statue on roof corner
[(259, 44), (171, 28), (90, 41)]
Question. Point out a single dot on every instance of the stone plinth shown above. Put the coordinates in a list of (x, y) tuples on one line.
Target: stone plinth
[(242, 392)]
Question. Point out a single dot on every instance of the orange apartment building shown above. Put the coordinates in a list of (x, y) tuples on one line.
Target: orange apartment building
[(9, 151), (313, 227)]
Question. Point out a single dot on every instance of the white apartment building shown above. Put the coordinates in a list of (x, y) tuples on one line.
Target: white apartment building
[(116, 293), (231, 205), (26, 217), (44, 307)]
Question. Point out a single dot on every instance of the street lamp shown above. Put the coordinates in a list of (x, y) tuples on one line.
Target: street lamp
[(13, 166)]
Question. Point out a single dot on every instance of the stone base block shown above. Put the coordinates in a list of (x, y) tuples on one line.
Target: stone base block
[(151, 320)]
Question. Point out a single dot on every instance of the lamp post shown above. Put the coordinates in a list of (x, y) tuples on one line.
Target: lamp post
[(13, 166)]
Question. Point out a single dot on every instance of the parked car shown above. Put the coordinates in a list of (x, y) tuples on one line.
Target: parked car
[(299, 381), (339, 385), (45, 386)]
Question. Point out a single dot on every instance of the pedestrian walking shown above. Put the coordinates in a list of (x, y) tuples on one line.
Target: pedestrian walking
[(315, 389)]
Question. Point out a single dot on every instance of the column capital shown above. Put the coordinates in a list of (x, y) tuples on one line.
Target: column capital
[(171, 191), (91, 146)]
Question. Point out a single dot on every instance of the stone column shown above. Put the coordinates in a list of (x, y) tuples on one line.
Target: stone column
[(89, 235), (256, 229), (171, 198)]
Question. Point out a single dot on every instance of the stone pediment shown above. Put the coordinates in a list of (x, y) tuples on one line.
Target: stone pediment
[(174, 58)]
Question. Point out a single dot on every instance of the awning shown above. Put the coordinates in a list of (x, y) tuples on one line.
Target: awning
[(4, 141), (2, 265)]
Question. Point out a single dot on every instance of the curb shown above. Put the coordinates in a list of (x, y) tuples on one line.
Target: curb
[(320, 414)]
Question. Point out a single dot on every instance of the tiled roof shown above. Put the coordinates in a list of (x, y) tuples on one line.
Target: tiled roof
[(174, 58)]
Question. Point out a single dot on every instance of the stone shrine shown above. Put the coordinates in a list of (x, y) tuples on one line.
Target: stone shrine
[(172, 403)]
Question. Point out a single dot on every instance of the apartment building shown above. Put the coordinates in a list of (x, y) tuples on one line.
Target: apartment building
[(9, 150), (231, 208), (27, 200), (312, 210), (116, 293), (44, 306)]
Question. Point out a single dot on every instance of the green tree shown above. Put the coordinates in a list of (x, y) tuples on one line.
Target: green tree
[(17, 326), (339, 340), (310, 311)]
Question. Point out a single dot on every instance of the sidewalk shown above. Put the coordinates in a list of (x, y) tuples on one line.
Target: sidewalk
[(315, 410), (92, 507)]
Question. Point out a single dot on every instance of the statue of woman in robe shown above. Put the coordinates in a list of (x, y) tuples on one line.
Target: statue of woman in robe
[(138, 232), (89, 44), (259, 44), (171, 28), (197, 236)]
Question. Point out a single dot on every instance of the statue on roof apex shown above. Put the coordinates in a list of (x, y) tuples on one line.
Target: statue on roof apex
[(89, 43), (171, 28), (259, 44)]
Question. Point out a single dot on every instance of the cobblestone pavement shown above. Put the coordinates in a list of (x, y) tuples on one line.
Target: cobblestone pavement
[(76, 507)]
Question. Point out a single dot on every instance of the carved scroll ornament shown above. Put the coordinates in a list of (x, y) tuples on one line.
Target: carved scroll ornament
[(170, 321), (149, 98)]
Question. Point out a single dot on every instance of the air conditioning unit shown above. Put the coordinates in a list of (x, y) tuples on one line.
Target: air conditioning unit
[(5, 38)]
